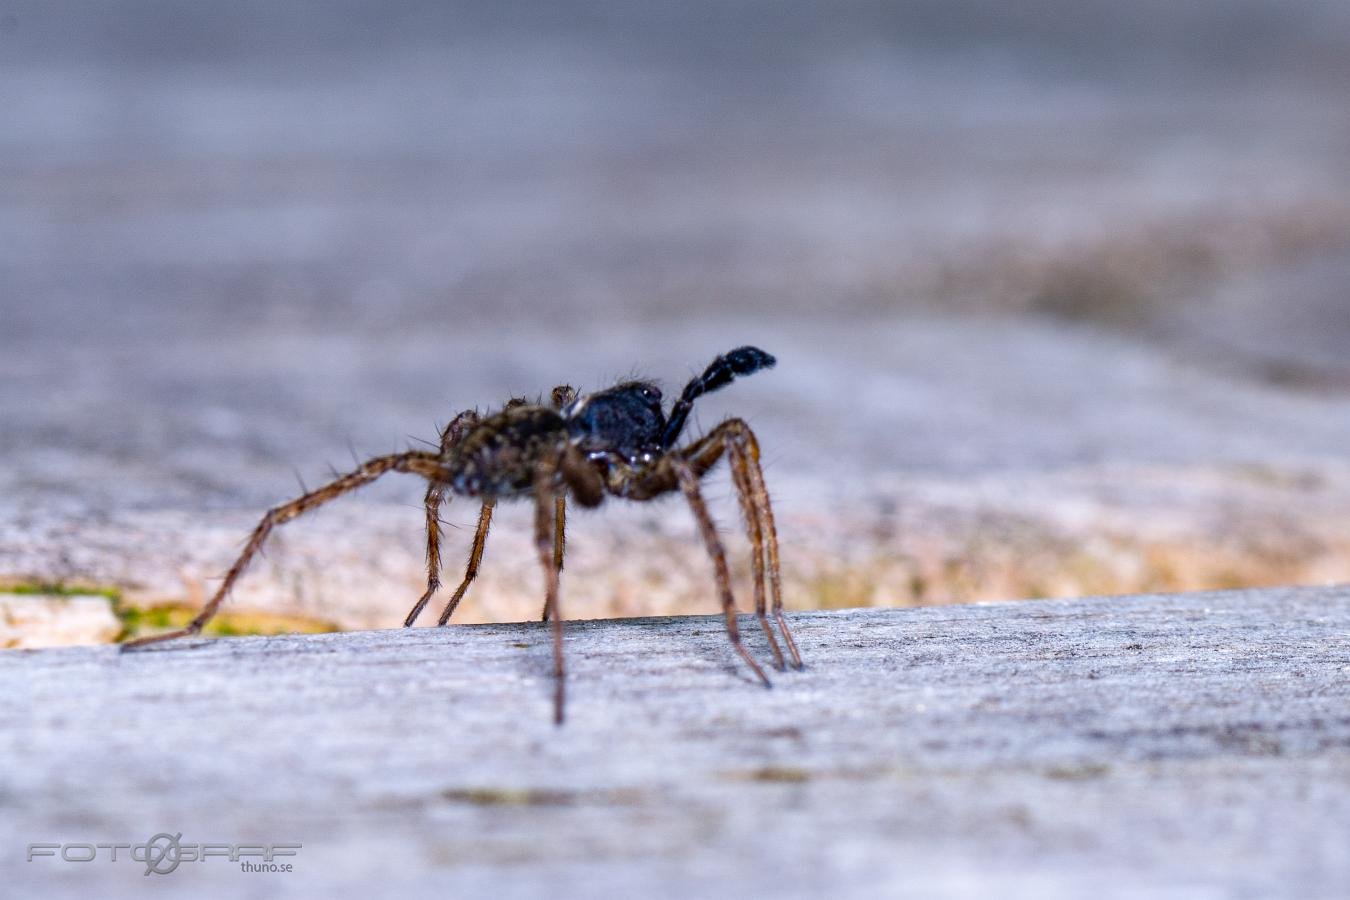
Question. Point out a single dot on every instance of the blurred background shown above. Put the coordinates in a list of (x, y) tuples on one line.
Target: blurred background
[(1059, 290)]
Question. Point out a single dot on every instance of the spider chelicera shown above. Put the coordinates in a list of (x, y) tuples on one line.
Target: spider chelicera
[(615, 442)]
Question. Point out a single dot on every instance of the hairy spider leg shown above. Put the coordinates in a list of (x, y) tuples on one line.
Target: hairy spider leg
[(748, 448), (560, 396), (559, 540), (569, 471), (475, 558), (688, 483), (703, 455), (417, 462), (559, 527), (735, 438), (585, 483), (435, 496), (754, 527), (544, 543)]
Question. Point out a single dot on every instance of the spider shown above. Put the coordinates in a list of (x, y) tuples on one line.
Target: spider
[(615, 442)]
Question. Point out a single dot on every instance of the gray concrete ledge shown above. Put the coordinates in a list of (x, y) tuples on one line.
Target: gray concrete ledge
[(1166, 746)]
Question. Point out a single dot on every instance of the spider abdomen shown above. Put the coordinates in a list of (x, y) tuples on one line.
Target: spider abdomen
[(500, 455)]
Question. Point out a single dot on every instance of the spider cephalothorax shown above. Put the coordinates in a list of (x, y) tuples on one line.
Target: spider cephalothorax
[(616, 441), (625, 419)]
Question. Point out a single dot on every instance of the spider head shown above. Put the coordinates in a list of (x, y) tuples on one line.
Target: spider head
[(625, 419)]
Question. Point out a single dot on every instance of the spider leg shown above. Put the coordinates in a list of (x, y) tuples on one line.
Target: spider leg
[(559, 527), (736, 439), (586, 487), (688, 483), (559, 539), (544, 494), (417, 462), (435, 494), (750, 511), (749, 450), (562, 395), (475, 557), (450, 436)]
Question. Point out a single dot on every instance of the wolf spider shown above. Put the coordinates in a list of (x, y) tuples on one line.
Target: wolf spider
[(616, 441)]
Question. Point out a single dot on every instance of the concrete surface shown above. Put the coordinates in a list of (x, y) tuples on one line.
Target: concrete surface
[(1188, 746)]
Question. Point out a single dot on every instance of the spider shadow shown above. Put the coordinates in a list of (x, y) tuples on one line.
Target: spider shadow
[(708, 651), (711, 648)]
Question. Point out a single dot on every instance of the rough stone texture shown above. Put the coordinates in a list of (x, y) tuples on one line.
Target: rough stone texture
[(1163, 746)]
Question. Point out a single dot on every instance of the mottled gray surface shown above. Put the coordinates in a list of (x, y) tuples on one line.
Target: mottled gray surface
[(1058, 290), (1192, 746)]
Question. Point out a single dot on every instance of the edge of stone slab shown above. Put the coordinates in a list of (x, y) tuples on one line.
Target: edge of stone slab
[(1064, 606)]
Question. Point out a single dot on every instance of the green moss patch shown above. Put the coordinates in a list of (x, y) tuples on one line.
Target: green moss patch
[(138, 621)]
